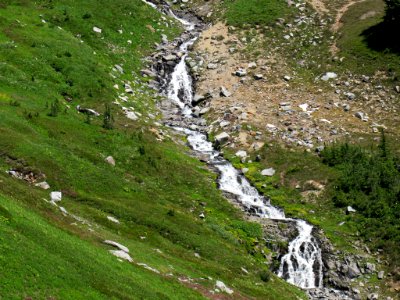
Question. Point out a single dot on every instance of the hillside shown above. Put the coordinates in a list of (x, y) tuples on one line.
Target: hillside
[(100, 198), (55, 56)]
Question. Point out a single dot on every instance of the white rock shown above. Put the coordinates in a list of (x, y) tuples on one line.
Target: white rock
[(350, 209), (110, 160), (241, 154), (148, 268), (223, 288), (121, 254), (116, 245), (112, 219), (328, 76), (304, 107), (131, 115), (97, 29), (268, 172), (222, 138), (287, 78), (43, 185), (63, 210), (55, 196)]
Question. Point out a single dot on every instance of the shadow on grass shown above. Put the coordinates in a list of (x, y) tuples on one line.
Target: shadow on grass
[(383, 37)]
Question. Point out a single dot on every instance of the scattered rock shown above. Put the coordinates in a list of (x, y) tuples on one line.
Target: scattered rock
[(397, 88), (381, 274), (55, 196), (328, 76), (43, 185), (287, 78), (224, 92), (222, 138), (116, 245), (110, 160), (361, 116), (241, 73), (212, 66), (87, 111), (241, 154), (97, 29), (350, 210), (268, 172), (373, 296), (122, 255), (112, 219), (258, 76), (223, 288)]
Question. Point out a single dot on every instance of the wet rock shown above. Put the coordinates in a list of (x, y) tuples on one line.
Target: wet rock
[(268, 172), (170, 57)]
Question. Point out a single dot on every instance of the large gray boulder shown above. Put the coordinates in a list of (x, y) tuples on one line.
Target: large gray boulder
[(222, 138)]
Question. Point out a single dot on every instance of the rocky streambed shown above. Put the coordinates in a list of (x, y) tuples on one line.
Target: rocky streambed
[(311, 262)]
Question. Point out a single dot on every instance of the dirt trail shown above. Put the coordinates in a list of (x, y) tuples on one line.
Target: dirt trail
[(319, 6), (337, 24)]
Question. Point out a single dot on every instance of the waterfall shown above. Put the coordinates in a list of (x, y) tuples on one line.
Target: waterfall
[(302, 265)]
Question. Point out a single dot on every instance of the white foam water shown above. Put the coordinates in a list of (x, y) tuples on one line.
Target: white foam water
[(302, 265)]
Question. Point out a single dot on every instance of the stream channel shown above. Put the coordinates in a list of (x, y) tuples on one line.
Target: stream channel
[(302, 265)]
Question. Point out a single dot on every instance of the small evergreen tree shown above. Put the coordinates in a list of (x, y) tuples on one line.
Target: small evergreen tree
[(54, 108), (108, 120)]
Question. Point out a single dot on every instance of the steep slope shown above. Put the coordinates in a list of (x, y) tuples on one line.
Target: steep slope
[(56, 55)]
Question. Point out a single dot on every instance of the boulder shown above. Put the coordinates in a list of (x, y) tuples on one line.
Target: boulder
[(110, 160), (222, 138), (268, 172), (122, 255), (241, 154), (328, 76), (381, 274), (223, 288), (97, 29), (43, 185), (55, 196), (169, 57), (112, 219), (350, 210), (116, 245)]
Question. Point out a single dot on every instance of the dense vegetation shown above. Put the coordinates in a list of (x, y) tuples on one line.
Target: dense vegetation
[(369, 181)]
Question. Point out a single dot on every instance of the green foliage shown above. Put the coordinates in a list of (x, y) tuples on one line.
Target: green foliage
[(108, 118), (54, 109), (369, 181), (254, 12), (265, 275)]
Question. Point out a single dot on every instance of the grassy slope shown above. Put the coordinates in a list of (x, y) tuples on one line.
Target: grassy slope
[(52, 255), (353, 44)]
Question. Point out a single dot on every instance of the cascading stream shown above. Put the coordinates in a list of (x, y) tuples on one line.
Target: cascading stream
[(302, 265)]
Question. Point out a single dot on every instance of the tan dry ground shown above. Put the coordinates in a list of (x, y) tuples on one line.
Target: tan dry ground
[(260, 99)]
